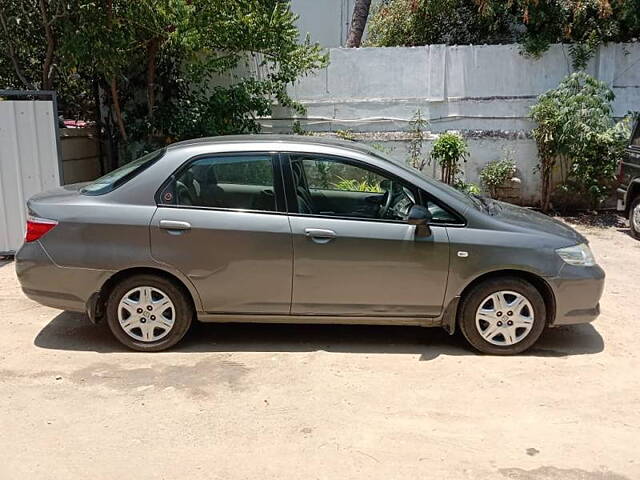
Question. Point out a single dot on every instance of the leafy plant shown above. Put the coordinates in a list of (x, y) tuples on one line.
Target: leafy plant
[(576, 132), (426, 22), (417, 126), (450, 151), (535, 24), (467, 187), (353, 185), (346, 134), (298, 129), (496, 173)]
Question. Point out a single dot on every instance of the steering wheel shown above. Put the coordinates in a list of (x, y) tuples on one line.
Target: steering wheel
[(387, 201)]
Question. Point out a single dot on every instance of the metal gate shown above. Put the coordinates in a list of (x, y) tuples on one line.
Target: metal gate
[(30, 160)]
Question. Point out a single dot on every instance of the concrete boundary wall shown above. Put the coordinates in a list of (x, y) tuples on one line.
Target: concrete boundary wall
[(487, 87), (80, 154), (484, 91)]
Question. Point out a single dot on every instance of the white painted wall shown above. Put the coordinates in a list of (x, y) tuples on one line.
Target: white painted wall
[(488, 87), (28, 163)]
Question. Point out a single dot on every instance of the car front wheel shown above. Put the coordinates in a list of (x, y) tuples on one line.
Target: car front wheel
[(502, 316), (148, 313)]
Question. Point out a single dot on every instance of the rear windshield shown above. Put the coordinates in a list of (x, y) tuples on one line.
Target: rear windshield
[(121, 175)]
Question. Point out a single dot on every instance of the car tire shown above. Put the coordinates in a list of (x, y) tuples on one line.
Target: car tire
[(159, 319), (483, 327), (634, 218)]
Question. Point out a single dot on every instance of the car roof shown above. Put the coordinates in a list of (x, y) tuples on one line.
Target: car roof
[(273, 138)]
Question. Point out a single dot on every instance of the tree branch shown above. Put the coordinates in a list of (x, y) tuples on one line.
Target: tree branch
[(12, 54), (115, 98)]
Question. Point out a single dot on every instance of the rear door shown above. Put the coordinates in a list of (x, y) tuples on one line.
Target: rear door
[(354, 254), (221, 221)]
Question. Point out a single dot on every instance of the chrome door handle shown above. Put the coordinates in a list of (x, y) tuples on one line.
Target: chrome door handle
[(320, 233), (174, 225)]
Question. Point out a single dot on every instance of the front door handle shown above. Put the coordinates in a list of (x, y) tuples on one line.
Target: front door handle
[(174, 225), (320, 235)]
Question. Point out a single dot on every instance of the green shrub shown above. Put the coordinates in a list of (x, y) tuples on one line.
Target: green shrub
[(450, 151), (576, 132), (496, 173), (417, 126)]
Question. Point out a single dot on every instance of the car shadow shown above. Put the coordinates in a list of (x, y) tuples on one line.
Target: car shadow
[(73, 331), (5, 261)]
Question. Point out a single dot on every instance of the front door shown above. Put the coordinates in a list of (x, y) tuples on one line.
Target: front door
[(354, 254), (221, 223)]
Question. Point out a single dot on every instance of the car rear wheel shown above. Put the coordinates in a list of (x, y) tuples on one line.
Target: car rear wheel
[(502, 316), (634, 218), (148, 313)]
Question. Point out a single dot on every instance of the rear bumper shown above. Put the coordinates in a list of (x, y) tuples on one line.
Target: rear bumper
[(52, 285), (577, 291)]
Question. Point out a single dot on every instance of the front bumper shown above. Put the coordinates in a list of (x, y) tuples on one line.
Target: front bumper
[(49, 284), (577, 292)]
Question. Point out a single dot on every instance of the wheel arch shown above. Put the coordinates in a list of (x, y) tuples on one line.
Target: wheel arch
[(537, 281), (97, 303), (633, 192)]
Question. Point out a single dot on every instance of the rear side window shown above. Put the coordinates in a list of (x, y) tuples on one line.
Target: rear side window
[(122, 175), (235, 181)]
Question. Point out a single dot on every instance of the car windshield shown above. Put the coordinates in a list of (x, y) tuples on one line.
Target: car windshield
[(119, 176), (469, 199)]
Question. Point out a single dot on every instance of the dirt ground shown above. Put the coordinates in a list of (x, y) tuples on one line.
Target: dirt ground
[(324, 402)]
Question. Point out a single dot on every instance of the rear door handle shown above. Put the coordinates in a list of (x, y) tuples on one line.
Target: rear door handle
[(174, 225), (320, 234)]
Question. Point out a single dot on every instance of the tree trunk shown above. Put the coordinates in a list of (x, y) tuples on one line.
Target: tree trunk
[(546, 170), (152, 53), (12, 54), (115, 98), (47, 69), (358, 22)]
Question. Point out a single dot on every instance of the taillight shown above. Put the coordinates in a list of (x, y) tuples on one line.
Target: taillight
[(37, 227)]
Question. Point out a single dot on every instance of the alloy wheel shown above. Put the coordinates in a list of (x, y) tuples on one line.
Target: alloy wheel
[(504, 318), (146, 314)]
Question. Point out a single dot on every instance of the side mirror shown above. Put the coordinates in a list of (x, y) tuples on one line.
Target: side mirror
[(420, 217)]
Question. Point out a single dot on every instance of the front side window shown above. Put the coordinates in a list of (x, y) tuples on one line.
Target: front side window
[(226, 181), (337, 187), (331, 186)]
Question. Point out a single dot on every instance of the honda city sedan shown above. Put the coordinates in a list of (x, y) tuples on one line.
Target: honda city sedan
[(299, 229)]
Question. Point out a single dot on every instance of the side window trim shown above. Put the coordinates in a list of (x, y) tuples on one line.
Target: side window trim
[(278, 184)]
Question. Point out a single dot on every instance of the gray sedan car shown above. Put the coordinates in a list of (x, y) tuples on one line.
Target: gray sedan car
[(299, 229)]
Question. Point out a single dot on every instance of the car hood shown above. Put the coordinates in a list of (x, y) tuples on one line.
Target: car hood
[(537, 222)]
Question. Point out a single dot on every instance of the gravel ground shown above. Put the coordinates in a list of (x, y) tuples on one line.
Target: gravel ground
[(325, 402)]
